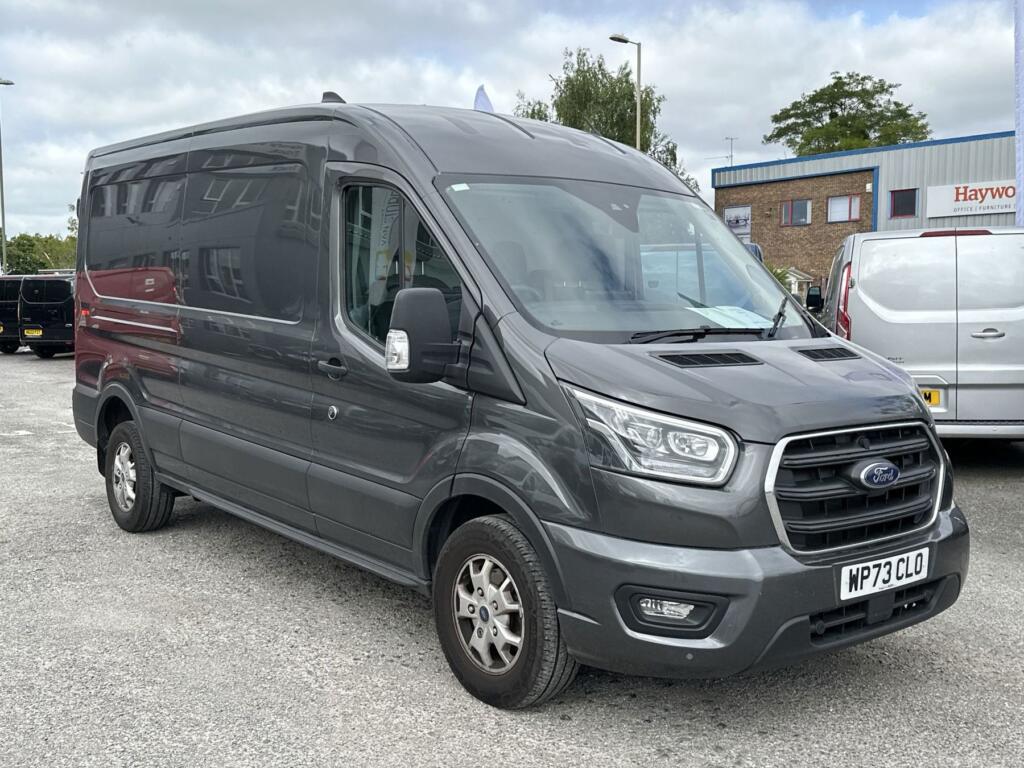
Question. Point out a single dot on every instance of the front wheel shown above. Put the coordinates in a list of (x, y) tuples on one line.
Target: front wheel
[(496, 618), (9, 347)]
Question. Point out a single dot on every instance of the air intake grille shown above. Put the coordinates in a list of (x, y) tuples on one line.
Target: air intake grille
[(710, 359), (850, 620), (821, 506), (824, 354)]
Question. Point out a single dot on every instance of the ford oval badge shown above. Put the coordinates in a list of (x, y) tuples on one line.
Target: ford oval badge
[(878, 475)]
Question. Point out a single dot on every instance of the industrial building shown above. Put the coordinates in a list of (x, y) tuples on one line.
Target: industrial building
[(800, 209)]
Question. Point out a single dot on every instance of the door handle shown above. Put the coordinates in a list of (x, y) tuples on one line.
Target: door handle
[(334, 368), (989, 333)]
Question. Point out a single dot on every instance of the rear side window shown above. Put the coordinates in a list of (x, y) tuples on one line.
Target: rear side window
[(387, 247), (34, 291), (133, 236), (909, 274), (244, 246), (9, 290), (57, 290)]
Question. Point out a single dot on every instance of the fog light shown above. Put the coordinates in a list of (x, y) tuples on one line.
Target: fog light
[(657, 609)]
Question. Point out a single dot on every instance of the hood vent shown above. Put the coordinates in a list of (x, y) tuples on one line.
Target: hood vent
[(710, 359), (824, 354)]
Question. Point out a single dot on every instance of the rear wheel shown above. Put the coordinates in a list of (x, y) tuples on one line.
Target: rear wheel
[(9, 347), (44, 353), (496, 618), (138, 501)]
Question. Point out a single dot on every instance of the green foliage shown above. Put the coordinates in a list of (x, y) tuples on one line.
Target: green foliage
[(779, 273), (27, 254), (851, 112), (591, 97)]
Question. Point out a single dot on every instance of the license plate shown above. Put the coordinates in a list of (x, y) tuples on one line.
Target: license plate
[(886, 573), (1, 327), (932, 396), (33, 331)]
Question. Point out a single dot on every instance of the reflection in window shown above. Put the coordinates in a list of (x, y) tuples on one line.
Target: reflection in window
[(222, 272)]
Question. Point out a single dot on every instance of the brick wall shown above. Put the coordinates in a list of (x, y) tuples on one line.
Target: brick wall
[(809, 248)]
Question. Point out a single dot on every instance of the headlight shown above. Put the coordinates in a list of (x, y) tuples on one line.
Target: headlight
[(630, 439)]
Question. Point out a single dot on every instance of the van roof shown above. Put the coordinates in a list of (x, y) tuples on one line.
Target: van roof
[(460, 141), (889, 234)]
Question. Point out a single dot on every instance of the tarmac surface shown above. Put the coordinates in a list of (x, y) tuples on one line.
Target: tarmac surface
[(214, 642)]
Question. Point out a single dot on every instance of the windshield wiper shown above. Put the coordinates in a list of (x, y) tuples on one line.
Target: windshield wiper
[(646, 337), (779, 318)]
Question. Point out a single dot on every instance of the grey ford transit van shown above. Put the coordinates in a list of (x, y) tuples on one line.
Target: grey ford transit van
[(514, 366)]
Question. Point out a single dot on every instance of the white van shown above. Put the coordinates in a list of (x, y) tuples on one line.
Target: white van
[(948, 306)]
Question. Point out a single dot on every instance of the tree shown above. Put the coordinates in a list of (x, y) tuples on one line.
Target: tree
[(27, 254), (592, 98), (23, 257), (851, 112)]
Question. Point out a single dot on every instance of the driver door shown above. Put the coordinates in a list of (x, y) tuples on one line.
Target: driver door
[(380, 445)]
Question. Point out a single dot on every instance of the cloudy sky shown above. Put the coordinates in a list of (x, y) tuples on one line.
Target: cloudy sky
[(89, 72)]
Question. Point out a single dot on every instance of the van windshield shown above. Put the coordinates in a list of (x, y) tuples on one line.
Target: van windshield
[(610, 262)]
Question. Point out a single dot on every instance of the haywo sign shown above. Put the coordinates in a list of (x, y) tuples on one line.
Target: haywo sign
[(980, 197)]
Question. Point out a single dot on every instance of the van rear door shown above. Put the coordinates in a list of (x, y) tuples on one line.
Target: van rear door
[(903, 307), (990, 303)]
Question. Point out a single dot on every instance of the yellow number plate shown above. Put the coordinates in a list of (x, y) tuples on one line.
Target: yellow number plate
[(932, 396), (33, 331)]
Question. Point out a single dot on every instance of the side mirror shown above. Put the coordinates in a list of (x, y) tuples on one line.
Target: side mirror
[(419, 345), (815, 301), (755, 249)]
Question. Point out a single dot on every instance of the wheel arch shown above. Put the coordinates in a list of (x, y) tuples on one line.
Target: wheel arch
[(466, 497), (115, 405)]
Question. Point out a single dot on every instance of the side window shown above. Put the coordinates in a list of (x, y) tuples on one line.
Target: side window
[(832, 284), (132, 234), (387, 247), (243, 246)]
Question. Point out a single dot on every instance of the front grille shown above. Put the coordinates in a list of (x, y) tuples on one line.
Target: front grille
[(849, 620), (710, 359), (820, 505)]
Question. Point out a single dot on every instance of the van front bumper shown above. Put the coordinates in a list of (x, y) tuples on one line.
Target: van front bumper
[(770, 607)]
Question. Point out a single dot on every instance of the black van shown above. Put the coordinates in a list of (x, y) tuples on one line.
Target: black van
[(47, 314), (514, 366), (10, 290)]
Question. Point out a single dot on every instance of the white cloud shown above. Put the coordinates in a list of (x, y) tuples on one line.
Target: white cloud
[(89, 73)]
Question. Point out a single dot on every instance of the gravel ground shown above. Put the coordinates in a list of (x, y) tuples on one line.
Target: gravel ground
[(214, 642)]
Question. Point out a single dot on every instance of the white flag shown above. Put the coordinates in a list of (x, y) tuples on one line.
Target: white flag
[(1019, 82), (481, 102)]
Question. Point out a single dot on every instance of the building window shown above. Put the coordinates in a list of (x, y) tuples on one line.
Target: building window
[(844, 208), (902, 203), (796, 213)]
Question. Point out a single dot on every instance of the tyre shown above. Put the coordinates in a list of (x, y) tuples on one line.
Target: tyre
[(496, 617), (137, 500), (44, 353), (9, 347)]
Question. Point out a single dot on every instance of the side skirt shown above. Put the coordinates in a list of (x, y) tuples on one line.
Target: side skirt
[(382, 569)]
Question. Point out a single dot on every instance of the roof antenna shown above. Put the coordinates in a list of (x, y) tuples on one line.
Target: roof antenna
[(330, 97)]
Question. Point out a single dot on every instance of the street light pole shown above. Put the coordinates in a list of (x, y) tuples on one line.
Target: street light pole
[(639, 90), (3, 199)]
